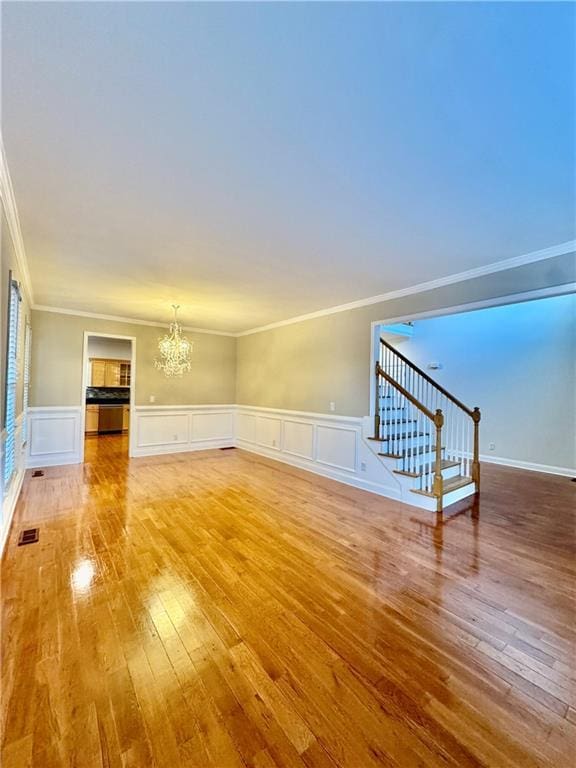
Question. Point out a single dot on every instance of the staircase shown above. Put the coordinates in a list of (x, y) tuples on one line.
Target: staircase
[(428, 437)]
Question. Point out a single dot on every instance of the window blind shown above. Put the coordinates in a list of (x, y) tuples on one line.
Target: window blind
[(11, 382), (27, 349)]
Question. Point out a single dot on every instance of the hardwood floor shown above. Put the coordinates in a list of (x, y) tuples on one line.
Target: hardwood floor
[(218, 610)]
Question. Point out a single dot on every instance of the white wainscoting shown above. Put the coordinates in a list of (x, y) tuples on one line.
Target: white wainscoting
[(54, 436), (173, 429), (325, 444)]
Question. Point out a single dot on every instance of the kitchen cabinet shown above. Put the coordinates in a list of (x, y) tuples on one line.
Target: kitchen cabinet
[(97, 373), (126, 418), (109, 373), (92, 415), (124, 374)]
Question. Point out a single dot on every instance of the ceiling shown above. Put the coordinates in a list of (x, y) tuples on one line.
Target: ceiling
[(254, 162)]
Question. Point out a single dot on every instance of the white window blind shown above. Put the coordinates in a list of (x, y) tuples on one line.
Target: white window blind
[(27, 349), (11, 381)]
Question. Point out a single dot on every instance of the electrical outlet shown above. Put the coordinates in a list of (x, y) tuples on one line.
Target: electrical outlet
[(273, 443), (492, 447), (175, 438), (332, 405), (152, 398), (363, 466)]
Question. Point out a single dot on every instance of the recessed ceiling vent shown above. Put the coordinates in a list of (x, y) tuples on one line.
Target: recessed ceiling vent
[(28, 536)]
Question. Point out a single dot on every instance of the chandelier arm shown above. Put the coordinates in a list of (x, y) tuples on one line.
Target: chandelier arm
[(175, 349)]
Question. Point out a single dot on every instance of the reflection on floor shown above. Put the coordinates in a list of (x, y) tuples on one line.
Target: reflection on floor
[(99, 448), (220, 610)]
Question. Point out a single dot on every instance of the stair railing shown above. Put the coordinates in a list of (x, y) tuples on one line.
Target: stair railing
[(399, 382), (396, 432)]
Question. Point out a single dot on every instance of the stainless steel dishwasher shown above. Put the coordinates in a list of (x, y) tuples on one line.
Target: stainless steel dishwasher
[(110, 418)]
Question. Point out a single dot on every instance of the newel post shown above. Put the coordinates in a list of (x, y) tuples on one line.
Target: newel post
[(476, 457), (438, 480), (377, 402)]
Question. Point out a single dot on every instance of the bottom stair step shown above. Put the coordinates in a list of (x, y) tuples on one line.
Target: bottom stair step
[(453, 484)]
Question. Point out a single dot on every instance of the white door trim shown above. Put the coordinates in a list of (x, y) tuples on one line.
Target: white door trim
[(132, 339)]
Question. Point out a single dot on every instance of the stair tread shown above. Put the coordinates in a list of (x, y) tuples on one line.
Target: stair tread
[(402, 455), (404, 435), (419, 472), (394, 408), (397, 437), (453, 484)]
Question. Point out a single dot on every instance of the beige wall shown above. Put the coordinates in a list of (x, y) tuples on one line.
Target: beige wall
[(305, 366), (8, 263), (57, 347)]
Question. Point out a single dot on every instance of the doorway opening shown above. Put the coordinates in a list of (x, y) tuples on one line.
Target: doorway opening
[(108, 376), (513, 360)]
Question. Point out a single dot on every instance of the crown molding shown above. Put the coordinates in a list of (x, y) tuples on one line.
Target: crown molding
[(11, 213), (499, 266), (119, 319)]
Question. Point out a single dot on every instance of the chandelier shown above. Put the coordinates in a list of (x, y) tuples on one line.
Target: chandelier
[(175, 349)]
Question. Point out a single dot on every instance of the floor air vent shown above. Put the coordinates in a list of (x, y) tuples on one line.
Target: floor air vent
[(29, 536), (37, 473), (228, 448)]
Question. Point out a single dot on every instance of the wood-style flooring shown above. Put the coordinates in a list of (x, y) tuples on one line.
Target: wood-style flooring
[(219, 610)]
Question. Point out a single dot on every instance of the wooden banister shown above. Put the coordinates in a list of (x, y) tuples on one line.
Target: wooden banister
[(438, 479), (429, 379), (421, 407)]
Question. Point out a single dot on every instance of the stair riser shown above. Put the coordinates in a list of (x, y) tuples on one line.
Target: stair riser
[(389, 412), (405, 444), (429, 503), (391, 420), (395, 413), (420, 460), (458, 495), (450, 472), (447, 473)]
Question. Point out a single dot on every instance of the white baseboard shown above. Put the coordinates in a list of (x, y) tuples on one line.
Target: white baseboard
[(196, 445), (331, 474), (531, 466)]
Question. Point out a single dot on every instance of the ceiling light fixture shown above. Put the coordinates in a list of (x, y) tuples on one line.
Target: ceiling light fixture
[(175, 349)]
